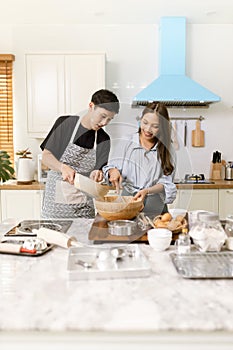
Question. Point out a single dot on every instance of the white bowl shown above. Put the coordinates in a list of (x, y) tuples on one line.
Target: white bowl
[(159, 238), (177, 211), (229, 243)]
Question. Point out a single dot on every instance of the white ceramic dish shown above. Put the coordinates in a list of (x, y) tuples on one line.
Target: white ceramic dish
[(159, 238)]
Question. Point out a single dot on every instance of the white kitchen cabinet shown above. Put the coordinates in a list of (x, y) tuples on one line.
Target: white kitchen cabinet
[(21, 204), (197, 199), (225, 202), (60, 84)]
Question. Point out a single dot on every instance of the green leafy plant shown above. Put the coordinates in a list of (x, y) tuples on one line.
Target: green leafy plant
[(6, 170)]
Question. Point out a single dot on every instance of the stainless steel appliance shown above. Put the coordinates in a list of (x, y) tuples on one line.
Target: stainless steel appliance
[(193, 179), (41, 169), (229, 171), (25, 227), (173, 87)]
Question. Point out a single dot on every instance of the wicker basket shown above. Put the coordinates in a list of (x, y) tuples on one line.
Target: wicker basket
[(118, 208)]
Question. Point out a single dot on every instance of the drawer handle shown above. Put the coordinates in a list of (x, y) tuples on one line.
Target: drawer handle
[(229, 191)]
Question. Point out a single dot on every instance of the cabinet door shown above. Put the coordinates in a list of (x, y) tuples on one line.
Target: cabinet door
[(21, 204), (84, 74), (197, 200), (45, 92), (59, 84), (225, 202)]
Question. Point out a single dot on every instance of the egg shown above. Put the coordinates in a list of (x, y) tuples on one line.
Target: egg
[(166, 217)]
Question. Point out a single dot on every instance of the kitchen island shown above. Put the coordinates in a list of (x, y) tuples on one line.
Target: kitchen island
[(41, 307)]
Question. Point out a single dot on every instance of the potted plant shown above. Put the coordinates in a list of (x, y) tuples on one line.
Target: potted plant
[(6, 170), (23, 153)]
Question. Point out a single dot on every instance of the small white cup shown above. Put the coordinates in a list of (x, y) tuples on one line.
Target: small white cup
[(159, 238), (229, 243)]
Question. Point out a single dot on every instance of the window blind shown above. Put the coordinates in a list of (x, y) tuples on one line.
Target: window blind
[(6, 104)]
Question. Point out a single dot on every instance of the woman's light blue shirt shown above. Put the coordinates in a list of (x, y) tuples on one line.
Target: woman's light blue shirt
[(141, 168)]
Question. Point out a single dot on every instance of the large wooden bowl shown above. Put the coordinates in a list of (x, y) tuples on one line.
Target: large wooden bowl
[(118, 208)]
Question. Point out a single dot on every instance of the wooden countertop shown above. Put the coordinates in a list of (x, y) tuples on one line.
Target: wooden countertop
[(12, 185), (217, 184)]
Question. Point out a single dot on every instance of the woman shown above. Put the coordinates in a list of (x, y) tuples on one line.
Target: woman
[(146, 166), (80, 145)]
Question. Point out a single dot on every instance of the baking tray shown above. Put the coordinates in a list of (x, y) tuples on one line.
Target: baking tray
[(204, 265), (38, 253), (133, 264), (19, 230)]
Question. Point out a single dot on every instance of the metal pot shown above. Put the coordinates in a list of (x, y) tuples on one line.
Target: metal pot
[(229, 171), (122, 227)]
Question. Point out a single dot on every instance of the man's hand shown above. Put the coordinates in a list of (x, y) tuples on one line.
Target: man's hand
[(97, 175), (68, 173)]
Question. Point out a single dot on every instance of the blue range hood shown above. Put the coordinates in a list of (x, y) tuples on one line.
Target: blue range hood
[(173, 87)]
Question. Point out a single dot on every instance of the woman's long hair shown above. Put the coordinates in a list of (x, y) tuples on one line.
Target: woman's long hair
[(163, 139)]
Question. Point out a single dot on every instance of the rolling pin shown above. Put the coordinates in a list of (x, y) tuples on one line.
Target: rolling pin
[(58, 238)]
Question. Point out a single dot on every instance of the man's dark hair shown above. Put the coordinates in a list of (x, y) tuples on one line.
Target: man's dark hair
[(106, 99)]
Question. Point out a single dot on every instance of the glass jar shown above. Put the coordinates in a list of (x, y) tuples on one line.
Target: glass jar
[(229, 226), (183, 243), (207, 233)]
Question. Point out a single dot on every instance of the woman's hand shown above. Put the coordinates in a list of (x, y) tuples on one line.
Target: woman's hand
[(96, 175), (141, 194), (115, 178), (67, 173)]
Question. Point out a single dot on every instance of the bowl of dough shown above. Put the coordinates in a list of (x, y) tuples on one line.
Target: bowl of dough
[(118, 207)]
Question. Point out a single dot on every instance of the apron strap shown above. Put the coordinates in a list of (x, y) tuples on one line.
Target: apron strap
[(75, 131)]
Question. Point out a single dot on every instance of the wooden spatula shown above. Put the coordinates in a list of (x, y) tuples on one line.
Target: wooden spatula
[(198, 136)]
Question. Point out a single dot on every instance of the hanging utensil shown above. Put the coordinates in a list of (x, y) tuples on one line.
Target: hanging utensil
[(185, 133), (175, 140)]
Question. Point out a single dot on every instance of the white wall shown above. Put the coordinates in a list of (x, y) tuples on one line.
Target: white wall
[(132, 62)]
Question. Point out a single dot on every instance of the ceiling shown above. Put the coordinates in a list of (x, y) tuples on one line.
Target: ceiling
[(109, 12)]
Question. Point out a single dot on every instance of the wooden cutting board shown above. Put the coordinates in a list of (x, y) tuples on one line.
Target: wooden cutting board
[(99, 234), (198, 136)]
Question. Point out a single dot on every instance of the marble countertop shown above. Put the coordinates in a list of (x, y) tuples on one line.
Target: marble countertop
[(37, 295)]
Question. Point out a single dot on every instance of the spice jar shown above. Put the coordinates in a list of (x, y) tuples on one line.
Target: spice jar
[(207, 233), (183, 243)]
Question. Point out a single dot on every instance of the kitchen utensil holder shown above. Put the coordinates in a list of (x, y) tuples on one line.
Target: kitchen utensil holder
[(216, 171)]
